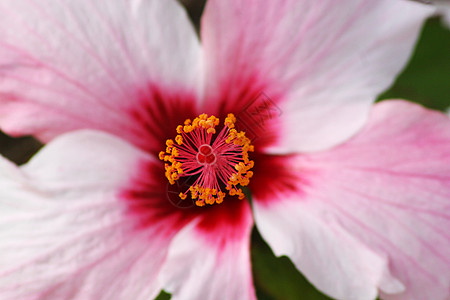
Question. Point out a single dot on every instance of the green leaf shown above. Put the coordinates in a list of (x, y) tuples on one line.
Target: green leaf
[(163, 296)]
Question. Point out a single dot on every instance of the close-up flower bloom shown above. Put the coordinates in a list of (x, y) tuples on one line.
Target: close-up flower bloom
[(165, 148)]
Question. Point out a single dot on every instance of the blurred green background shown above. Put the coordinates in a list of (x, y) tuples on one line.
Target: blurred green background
[(426, 80)]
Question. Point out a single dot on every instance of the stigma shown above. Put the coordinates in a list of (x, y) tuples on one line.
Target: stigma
[(217, 161)]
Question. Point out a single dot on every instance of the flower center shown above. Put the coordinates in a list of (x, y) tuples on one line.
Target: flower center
[(205, 155), (217, 161)]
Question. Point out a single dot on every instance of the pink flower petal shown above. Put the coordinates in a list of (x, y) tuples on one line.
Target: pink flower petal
[(371, 214), (92, 64), (210, 258), (64, 230), (322, 63)]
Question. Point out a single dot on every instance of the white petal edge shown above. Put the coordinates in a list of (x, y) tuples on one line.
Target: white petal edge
[(63, 231)]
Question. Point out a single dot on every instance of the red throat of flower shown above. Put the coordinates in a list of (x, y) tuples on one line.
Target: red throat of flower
[(217, 160)]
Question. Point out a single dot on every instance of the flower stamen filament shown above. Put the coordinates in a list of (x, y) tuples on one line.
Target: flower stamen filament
[(218, 161)]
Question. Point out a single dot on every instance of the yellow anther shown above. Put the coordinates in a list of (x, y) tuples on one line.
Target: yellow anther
[(169, 143), (239, 167), (244, 181), (220, 198), (179, 139), (161, 155), (230, 120), (179, 152), (234, 177), (200, 203)]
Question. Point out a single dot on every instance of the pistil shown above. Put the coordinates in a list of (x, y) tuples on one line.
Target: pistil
[(218, 161)]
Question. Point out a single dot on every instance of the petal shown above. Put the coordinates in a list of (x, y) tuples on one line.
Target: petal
[(320, 64), (64, 231), (372, 213), (92, 64), (210, 258), (444, 10)]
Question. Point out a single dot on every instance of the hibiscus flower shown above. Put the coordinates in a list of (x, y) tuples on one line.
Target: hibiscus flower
[(274, 102)]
